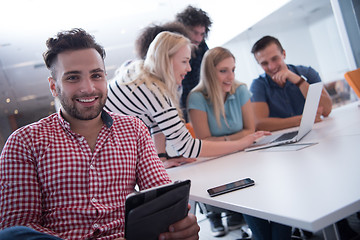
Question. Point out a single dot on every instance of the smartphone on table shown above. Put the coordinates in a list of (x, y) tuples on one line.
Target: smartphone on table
[(229, 187)]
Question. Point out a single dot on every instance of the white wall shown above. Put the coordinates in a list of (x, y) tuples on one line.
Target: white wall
[(328, 49), (313, 41), (297, 52)]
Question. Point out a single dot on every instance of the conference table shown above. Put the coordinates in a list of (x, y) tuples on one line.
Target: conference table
[(309, 188)]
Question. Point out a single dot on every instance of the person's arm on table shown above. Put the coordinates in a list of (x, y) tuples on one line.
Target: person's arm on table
[(325, 104), (202, 130), (169, 162), (285, 74), (211, 148), (266, 123), (217, 148)]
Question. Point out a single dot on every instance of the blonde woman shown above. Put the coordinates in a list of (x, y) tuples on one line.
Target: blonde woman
[(220, 109), (149, 89), (224, 102), (226, 106)]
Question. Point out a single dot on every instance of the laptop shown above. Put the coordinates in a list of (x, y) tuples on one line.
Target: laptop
[(306, 124)]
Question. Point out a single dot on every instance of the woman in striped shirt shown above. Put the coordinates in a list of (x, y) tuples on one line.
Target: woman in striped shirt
[(149, 89)]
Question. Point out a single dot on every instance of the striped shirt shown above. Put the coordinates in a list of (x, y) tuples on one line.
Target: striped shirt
[(51, 181), (157, 111)]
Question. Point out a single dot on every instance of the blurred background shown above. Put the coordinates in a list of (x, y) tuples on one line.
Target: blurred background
[(323, 34)]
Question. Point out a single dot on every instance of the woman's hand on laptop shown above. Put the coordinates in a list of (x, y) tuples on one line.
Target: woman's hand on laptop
[(251, 138)]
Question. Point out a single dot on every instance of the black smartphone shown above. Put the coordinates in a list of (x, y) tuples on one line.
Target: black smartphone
[(243, 183)]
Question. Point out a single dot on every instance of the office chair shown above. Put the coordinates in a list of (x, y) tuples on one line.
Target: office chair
[(191, 129), (353, 79)]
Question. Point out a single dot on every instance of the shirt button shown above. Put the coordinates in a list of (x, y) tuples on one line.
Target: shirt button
[(94, 200), (96, 225), (92, 167), (81, 139)]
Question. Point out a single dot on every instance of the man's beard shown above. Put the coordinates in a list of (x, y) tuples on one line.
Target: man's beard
[(85, 114)]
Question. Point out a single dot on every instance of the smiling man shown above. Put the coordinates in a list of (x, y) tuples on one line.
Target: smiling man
[(278, 101), (88, 97), (79, 82), (67, 176), (279, 94)]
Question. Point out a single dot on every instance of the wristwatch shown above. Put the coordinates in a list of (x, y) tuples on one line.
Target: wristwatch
[(163, 155), (302, 79)]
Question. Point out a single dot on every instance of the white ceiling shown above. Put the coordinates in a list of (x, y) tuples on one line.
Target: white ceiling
[(26, 24)]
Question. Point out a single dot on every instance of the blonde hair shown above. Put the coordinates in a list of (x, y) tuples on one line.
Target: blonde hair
[(209, 85), (156, 71)]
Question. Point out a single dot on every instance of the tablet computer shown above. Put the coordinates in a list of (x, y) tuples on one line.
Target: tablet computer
[(150, 212)]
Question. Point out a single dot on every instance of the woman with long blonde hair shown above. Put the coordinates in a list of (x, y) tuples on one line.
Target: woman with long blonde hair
[(149, 89), (220, 108), (220, 99)]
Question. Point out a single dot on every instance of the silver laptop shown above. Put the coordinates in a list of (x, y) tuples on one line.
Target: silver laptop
[(307, 122)]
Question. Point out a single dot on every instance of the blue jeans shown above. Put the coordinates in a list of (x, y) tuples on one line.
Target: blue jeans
[(24, 233), (264, 230)]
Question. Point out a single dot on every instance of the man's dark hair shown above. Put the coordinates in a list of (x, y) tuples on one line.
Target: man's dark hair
[(75, 39), (148, 34), (263, 42), (193, 17)]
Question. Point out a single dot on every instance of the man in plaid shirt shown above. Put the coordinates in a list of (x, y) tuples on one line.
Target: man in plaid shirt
[(67, 175)]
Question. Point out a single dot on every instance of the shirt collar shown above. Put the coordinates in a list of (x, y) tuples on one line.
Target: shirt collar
[(105, 117)]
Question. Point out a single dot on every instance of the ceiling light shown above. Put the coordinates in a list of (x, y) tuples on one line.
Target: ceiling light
[(5, 44), (8, 100), (27, 98)]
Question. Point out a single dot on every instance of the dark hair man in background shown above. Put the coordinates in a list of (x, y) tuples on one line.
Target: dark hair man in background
[(148, 34), (198, 23)]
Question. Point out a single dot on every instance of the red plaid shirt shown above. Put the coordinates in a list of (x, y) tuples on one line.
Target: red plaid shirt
[(52, 182)]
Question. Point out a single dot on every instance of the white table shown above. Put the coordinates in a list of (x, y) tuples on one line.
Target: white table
[(311, 188)]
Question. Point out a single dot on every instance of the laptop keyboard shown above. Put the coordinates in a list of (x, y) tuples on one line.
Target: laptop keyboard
[(286, 136)]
